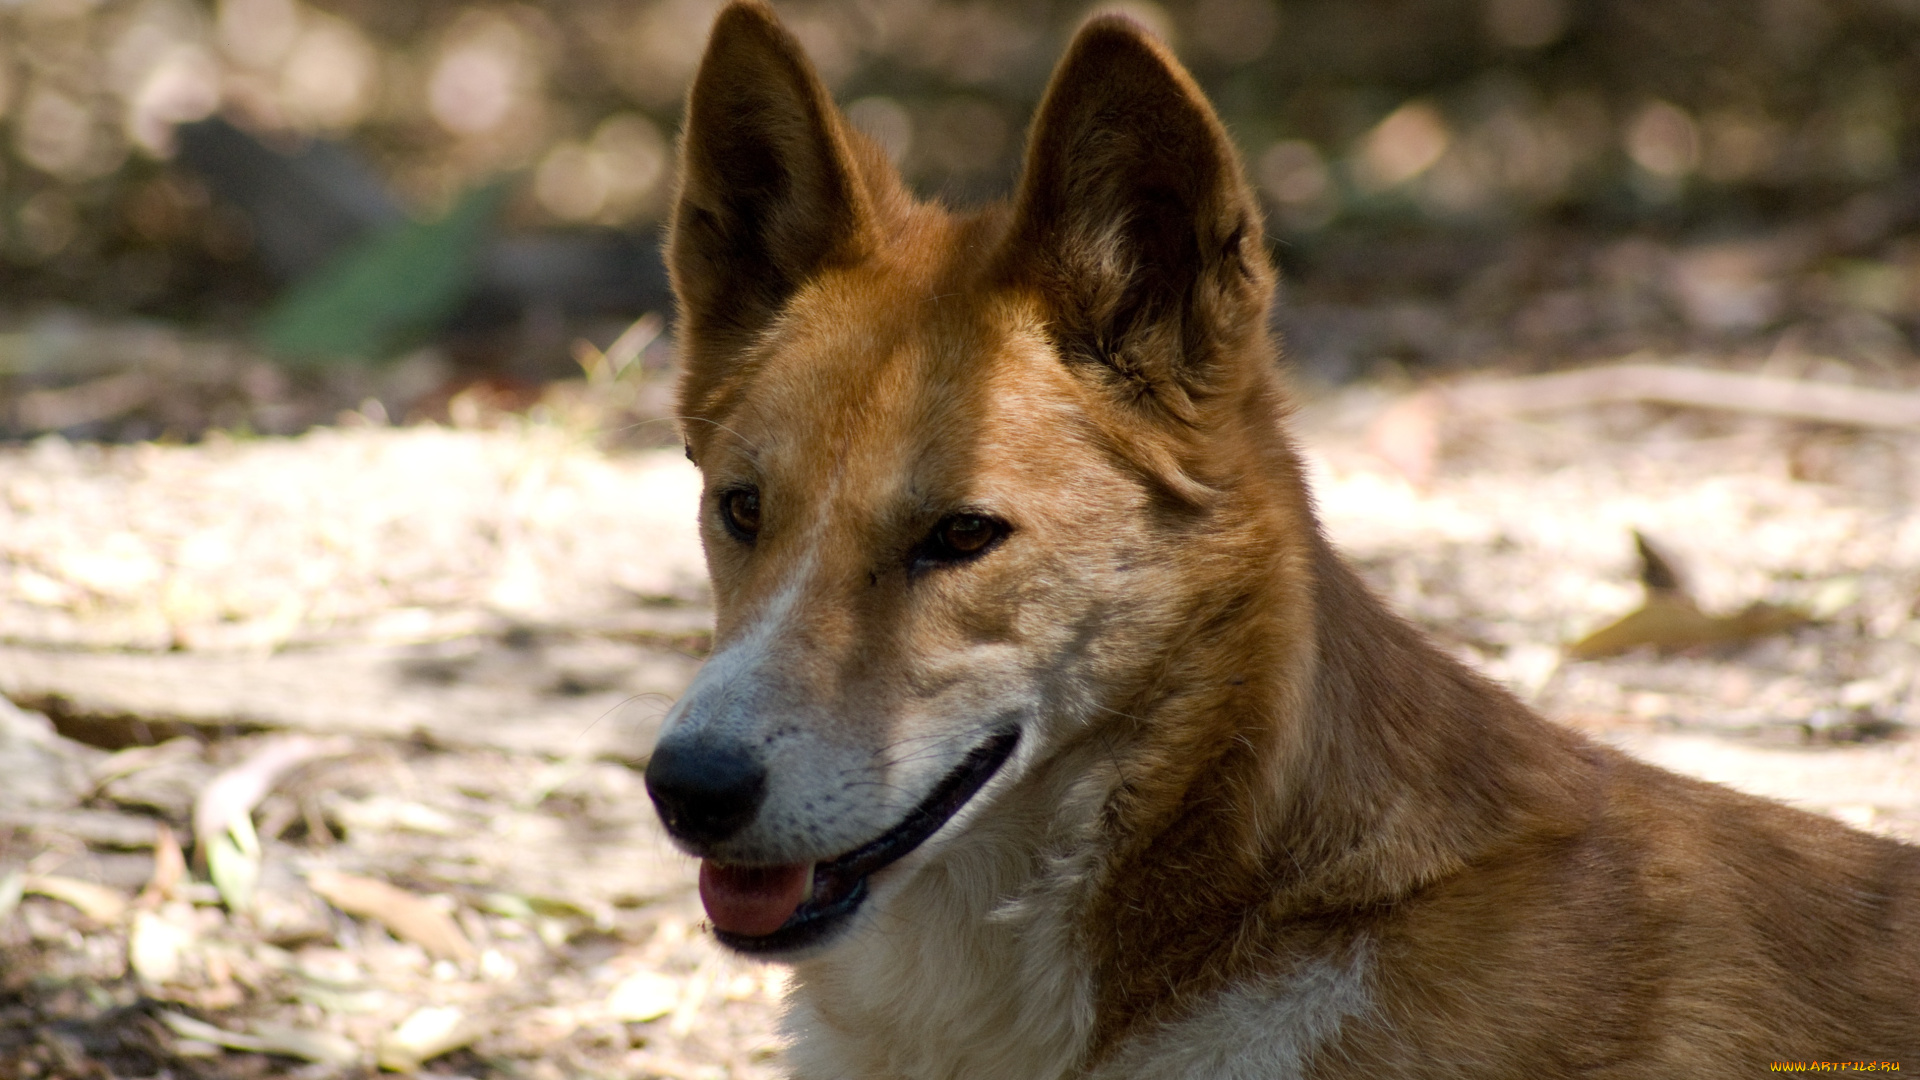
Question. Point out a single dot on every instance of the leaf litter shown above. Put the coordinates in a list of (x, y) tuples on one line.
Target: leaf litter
[(416, 902)]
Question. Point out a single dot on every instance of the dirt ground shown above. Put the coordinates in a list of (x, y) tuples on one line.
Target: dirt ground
[(387, 687)]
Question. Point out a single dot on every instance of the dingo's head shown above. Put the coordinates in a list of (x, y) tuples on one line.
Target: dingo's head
[(980, 490)]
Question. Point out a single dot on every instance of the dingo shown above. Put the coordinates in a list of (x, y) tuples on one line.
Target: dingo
[(1046, 736)]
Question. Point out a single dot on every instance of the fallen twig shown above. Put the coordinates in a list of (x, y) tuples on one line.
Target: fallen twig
[(1702, 388), (1407, 435), (223, 813), (102, 399)]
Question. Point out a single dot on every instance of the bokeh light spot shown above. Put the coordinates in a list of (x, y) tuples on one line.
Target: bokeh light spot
[(1402, 146), (886, 122), (1663, 140)]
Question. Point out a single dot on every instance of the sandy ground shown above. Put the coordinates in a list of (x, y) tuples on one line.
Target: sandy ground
[(476, 630)]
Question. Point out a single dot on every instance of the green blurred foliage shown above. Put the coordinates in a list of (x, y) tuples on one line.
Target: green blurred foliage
[(385, 291)]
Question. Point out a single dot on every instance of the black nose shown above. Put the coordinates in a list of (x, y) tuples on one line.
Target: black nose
[(705, 792)]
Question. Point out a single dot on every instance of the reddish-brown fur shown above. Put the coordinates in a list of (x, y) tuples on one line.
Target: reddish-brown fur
[(1297, 772)]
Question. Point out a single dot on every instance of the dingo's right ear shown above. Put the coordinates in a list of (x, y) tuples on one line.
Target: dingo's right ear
[(769, 192)]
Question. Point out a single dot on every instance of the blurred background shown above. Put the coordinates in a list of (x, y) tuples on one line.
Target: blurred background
[(319, 753), (248, 214)]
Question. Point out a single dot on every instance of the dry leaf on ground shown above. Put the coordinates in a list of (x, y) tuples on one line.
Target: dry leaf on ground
[(169, 869), (643, 996), (158, 944), (96, 902), (304, 1043), (1669, 622), (1670, 618), (425, 1035), (409, 917)]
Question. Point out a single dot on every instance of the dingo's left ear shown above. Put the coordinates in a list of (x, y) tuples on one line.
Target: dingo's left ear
[(1134, 220), (770, 191)]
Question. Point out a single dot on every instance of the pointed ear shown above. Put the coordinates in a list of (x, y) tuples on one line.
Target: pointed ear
[(1134, 221), (769, 190)]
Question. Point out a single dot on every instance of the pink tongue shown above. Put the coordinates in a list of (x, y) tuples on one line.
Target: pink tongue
[(752, 900)]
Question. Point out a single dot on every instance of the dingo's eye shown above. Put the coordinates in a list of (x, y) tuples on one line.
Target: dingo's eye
[(740, 512), (966, 534), (960, 537)]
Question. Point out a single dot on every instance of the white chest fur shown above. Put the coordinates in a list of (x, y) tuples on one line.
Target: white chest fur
[(1003, 1006), (973, 970), (950, 980), (1266, 1029)]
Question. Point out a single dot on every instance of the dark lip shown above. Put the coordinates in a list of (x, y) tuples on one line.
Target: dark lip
[(840, 886)]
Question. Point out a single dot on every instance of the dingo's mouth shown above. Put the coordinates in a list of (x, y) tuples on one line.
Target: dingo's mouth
[(769, 909)]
